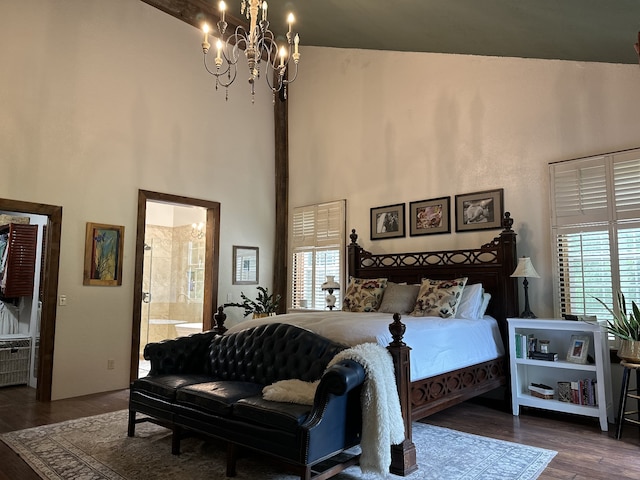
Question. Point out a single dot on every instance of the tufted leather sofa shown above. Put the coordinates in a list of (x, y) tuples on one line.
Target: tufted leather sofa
[(212, 384)]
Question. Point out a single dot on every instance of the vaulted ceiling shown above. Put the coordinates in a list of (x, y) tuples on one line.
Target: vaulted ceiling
[(582, 30)]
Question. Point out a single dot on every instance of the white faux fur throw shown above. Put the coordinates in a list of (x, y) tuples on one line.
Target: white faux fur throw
[(382, 422), (291, 391)]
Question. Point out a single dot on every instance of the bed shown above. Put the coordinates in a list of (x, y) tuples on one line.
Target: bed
[(424, 393)]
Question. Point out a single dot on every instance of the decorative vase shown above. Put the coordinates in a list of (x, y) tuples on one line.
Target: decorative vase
[(629, 350), (262, 315)]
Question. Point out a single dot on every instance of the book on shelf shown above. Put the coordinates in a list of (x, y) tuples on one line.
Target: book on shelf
[(548, 356), (585, 392), (524, 344)]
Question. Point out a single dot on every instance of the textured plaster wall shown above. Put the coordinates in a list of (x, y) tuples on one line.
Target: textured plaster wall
[(100, 99), (381, 128)]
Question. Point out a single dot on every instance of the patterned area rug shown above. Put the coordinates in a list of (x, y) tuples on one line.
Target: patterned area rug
[(97, 448)]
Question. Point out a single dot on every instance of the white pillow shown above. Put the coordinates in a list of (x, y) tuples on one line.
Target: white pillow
[(470, 302), (485, 303)]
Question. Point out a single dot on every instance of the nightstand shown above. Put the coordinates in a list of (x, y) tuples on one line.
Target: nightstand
[(525, 371)]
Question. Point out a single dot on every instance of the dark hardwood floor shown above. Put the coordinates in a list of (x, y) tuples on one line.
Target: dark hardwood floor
[(584, 452)]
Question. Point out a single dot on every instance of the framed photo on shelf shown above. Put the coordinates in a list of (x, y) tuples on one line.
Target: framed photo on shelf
[(387, 222), (427, 217), (578, 349), (103, 254), (479, 210)]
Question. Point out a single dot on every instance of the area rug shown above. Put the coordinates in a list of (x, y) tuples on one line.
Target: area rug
[(97, 448)]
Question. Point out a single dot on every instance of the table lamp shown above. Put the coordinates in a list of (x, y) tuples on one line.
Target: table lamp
[(523, 270), (329, 286)]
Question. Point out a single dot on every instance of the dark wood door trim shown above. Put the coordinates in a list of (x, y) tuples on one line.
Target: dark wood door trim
[(212, 248), (50, 288)]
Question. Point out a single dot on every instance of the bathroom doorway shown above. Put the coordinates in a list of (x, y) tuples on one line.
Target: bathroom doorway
[(176, 270)]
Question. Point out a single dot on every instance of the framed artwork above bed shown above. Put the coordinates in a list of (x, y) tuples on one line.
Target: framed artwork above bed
[(479, 210), (427, 217), (387, 222)]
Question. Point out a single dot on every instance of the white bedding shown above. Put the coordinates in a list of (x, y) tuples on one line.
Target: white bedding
[(438, 344)]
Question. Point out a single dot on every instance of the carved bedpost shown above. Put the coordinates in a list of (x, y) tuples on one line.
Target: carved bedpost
[(510, 261), (403, 456), (220, 317), (353, 257)]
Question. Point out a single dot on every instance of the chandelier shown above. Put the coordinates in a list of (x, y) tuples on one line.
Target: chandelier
[(260, 47)]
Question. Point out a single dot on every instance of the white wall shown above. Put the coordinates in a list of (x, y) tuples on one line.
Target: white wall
[(380, 128), (100, 99)]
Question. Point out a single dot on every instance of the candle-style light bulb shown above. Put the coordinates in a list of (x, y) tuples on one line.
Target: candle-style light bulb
[(222, 7), (296, 41), (290, 20), (264, 11), (205, 29), (283, 54)]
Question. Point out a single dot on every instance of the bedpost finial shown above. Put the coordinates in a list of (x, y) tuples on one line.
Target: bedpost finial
[(397, 329), (354, 237), (220, 317), (507, 222)]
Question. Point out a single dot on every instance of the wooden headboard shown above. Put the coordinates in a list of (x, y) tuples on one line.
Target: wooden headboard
[(492, 265)]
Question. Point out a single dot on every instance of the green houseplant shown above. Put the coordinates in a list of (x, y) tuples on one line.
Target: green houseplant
[(265, 304), (625, 326)]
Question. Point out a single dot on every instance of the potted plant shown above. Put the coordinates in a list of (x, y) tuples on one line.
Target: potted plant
[(625, 326), (265, 304)]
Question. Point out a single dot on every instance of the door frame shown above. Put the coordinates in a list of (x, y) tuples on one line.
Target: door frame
[(211, 260), (49, 288)]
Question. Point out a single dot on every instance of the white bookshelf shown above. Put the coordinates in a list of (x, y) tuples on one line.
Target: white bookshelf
[(525, 371)]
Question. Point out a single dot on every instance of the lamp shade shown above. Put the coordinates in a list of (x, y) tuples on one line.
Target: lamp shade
[(330, 284), (525, 269)]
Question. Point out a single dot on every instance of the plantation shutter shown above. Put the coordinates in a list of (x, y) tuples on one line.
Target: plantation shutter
[(318, 239), (596, 228)]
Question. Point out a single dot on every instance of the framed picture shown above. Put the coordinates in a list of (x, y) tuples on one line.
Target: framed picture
[(479, 210), (245, 265), (427, 217), (103, 254), (387, 222), (578, 349)]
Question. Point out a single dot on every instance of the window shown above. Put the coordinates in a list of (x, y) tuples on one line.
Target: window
[(318, 250), (596, 229)]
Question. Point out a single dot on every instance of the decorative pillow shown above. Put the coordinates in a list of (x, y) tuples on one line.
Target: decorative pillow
[(485, 303), (399, 298), (439, 298), (470, 302), (364, 294)]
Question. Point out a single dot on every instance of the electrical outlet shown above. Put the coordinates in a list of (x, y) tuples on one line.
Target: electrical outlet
[(63, 300), (111, 364), (229, 297)]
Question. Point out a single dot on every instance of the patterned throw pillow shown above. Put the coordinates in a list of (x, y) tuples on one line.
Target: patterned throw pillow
[(363, 294), (439, 298)]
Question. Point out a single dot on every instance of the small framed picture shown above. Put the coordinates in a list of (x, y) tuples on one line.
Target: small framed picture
[(578, 349), (479, 210), (103, 254), (245, 265), (429, 216), (387, 222)]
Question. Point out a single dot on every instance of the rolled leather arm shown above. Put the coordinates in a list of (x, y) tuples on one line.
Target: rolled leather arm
[(337, 381), (179, 355), (342, 377)]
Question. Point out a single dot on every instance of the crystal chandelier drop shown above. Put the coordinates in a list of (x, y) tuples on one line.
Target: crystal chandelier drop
[(259, 47)]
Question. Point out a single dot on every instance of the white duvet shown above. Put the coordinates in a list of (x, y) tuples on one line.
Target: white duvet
[(438, 344)]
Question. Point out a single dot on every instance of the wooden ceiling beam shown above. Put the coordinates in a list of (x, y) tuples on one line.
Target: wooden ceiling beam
[(196, 12)]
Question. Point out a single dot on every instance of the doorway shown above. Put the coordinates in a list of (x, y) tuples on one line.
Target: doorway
[(176, 270), (48, 288)]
